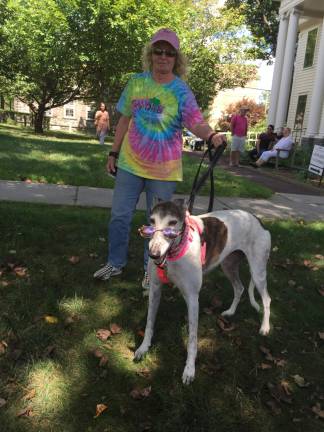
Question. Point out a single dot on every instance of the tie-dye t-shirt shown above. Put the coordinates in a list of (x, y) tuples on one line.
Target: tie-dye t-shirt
[(152, 146)]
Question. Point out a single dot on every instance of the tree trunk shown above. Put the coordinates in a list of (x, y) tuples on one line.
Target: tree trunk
[(39, 117)]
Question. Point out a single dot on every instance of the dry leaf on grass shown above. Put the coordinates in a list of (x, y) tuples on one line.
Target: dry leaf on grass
[(319, 257), (145, 372), (321, 335), (25, 412), (103, 361), (103, 334), (225, 325), (278, 392), (141, 333), (4, 283), (265, 366), (2, 402), (318, 411), (267, 353), (141, 393), (50, 319), (275, 409), (286, 387), (321, 291), (208, 311), (74, 259), (300, 381), (115, 329), (100, 408), (291, 283), (20, 271), (3, 347), (30, 395)]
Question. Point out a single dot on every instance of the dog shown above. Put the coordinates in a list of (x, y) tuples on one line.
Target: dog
[(184, 247)]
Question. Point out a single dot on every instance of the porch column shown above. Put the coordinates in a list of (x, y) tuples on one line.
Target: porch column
[(287, 69), (280, 53), (317, 98)]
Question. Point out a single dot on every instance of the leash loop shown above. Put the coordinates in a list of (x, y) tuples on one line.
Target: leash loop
[(213, 156)]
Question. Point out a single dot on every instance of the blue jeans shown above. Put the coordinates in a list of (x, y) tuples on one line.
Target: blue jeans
[(127, 191)]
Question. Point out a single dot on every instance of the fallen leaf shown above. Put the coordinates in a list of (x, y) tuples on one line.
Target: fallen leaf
[(307, 263), (74, 259), (4, 283), (50, 319), (321, 291), (100, 408), (103, 361), (115, 329), (265, 366), (103, 334), (275, 249), (141, 333), (25, 412), (145, 372), (30, 395), (225, 325), (12, 252), (102, 239), (321, 335), (2, 402), (278, 393), (280, 362), (315, 268), (93, 255), (318, 411), (286, 387), (300, 381), (291, 283), (3, 347), (20, 271), (319, 257), (140, 393)]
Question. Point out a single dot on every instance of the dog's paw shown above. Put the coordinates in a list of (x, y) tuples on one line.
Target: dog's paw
[(228, 312), (140, 352), (264, 330), (188, 374)]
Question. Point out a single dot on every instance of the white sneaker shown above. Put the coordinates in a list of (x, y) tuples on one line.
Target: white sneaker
[(146, 285), (106, 272)]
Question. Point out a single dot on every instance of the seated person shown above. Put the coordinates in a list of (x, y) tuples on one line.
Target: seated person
[(263, 143), (284, 145)]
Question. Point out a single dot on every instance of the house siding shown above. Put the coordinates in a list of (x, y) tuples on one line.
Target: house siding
[(303, 77)]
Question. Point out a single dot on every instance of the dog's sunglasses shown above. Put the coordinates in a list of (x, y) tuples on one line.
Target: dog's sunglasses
[(167, 52), (147, 231)]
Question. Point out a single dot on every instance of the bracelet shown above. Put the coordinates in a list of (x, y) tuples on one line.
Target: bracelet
[(114, 154)]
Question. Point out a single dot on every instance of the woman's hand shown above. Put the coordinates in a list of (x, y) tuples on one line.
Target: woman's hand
[(111, 164), (218, 140)]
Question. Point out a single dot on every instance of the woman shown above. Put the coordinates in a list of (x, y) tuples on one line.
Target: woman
[(102, 123), (154, 107)]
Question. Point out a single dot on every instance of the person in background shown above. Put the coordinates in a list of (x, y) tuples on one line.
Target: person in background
[(155, 106), (263, 143), (239, 128), (283, 146), (102, 123)]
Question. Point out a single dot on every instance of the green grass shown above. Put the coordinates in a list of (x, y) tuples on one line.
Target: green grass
[(78, 160), (54, 359)]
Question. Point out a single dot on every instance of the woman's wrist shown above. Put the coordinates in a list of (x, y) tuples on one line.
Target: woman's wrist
[(114, 154)]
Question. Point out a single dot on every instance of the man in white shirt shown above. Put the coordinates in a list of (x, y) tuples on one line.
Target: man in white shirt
[(283, 146)]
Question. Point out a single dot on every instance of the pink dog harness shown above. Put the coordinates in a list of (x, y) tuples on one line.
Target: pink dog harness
[(181, 249)]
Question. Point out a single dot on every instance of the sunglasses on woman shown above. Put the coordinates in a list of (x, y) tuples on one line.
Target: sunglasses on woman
[(147, 231), (166, 52)]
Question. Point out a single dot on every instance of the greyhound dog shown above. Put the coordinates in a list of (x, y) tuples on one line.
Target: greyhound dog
[(183, 247)]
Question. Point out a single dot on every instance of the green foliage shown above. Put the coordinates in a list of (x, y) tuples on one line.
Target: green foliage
[(261, 18), (256, 113)]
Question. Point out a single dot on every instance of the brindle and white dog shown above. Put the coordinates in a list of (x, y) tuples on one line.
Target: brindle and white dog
[(176, 244)]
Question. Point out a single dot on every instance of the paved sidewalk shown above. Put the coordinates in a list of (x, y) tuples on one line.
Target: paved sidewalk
[(281, 205)]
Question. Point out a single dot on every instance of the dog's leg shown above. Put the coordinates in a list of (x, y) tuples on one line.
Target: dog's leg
[(154, 301), (251, 295), (230, 267), (258, 267), (193, 315)]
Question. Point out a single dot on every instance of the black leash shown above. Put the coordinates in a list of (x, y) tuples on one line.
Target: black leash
[(213, 156)]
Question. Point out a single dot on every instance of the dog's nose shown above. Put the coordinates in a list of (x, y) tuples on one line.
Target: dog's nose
[(154, 256)]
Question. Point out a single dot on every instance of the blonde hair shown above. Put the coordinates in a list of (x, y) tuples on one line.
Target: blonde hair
[(180, 66)]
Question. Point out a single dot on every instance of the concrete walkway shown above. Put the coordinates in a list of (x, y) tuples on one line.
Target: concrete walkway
[(281, 205)]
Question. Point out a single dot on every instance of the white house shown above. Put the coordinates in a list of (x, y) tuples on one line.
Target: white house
[(297, 92)]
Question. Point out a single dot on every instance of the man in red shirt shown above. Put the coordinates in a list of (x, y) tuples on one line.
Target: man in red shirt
[(239, 128)]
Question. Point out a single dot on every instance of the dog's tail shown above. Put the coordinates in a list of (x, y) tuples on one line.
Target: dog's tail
[(251, 295)]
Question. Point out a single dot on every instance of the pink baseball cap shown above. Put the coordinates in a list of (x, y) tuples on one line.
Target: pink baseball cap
[(166, 35)]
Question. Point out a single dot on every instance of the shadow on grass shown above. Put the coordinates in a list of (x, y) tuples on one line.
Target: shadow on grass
[(230, 392)]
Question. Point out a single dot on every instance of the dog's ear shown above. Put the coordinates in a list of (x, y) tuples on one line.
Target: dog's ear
[(181, 203), (156, 200)]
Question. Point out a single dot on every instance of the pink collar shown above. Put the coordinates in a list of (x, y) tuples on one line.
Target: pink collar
[(177, 252)]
